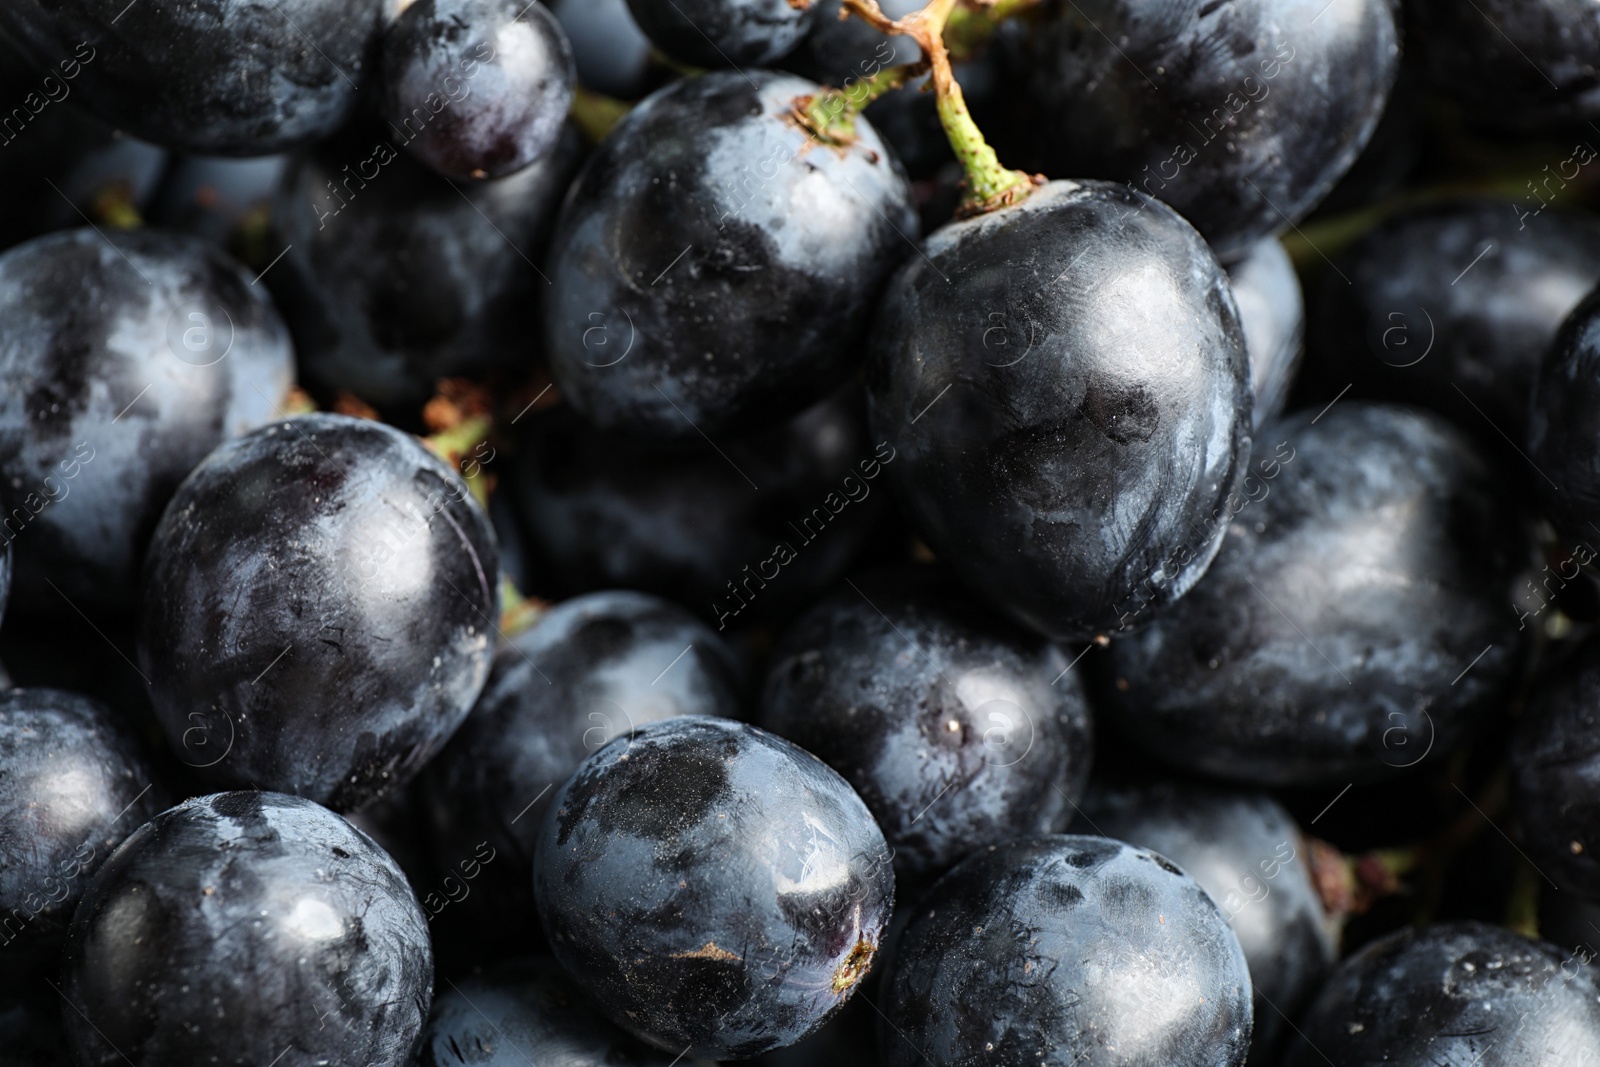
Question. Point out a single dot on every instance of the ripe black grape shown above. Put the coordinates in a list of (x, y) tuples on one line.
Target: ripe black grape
[(724, 33), (480, 87), (1518, 63), (1246, 852), (526, 1011), (836, 50), (1465, 993), (395, 277), (714, 267), (1066, 384), (957, 728), (237, 926), (1453, 305), (1273, 317), (1564, 424), (1071, 950), (1555, 762), (75, 783), (121, 365), (319, 605), (749, 530), (611, 53), (234, 77), (1240, 115), (1356, 620), (718, 890)]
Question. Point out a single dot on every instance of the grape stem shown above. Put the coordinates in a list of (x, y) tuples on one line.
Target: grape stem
[(989, 185), (595, 113), (973, 24), (460, 446), (518, 613), (830, 116), (1350, 885)]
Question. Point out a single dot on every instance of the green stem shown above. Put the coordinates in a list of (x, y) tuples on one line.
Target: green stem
[(452, 444), (973, 26), (456, 447), (989, 185), (298, 402), (595, 113), (517, 612), (830, 116), (114, 206), (1522, 907), (1349, 885)]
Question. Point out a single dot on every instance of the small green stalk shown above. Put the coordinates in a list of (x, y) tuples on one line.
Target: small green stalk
[(595, 113), (972, 27), (453, 444), (297, 402), (1522, 906), (517, 612), (457, 447), (114, 206), (989, 185), (830, 116)]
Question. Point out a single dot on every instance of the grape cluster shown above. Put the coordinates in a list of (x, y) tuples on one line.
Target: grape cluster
[(978, 533)]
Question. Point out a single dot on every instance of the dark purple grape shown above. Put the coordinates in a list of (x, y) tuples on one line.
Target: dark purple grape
[(523, 1012), (73, 784), (478, 88), (1555, 768), (1465, 993), (121, 365), (319, 608), (714, 267), (1452, 306), (718, 890), (1066, 385), (232, 77), (1241, 115), (725, 33), (1356, 621), (394, 277), (1273, 315), (241, 926), (1066, 950), (1246, 851), (1518, 63), (1564, 424), (595, 667), (957, 728), (749, 530)]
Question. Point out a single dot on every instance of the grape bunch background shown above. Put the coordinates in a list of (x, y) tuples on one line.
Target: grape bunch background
[(639, 532)]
